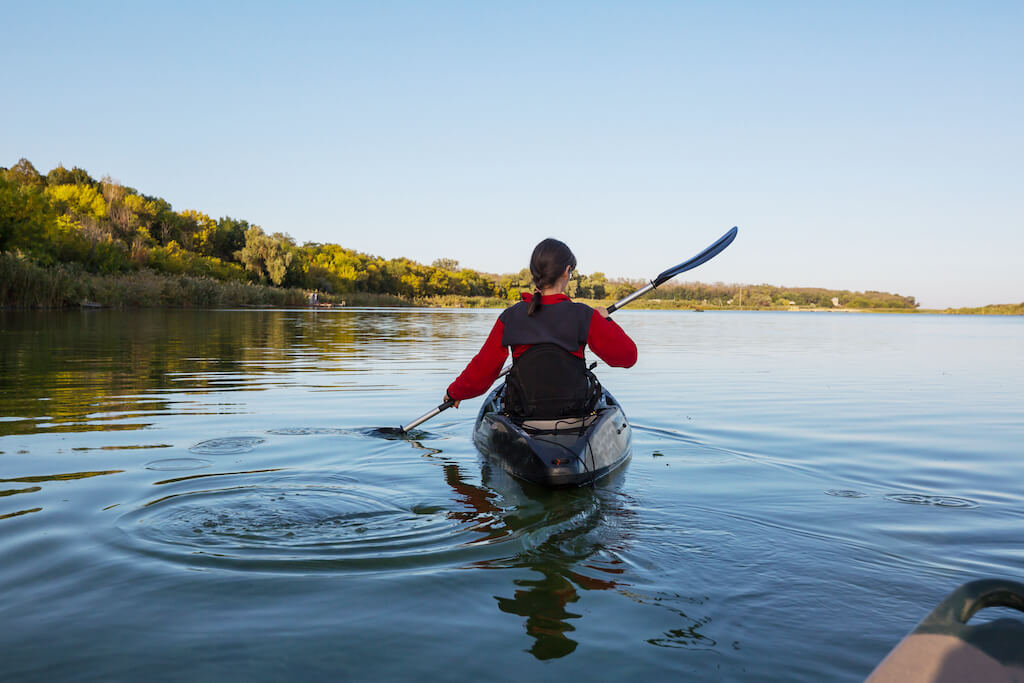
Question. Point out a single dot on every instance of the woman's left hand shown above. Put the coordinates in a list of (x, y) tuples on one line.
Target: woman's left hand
[(449, 398)]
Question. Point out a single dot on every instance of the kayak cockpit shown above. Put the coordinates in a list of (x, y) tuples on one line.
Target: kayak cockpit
[(563, 452)]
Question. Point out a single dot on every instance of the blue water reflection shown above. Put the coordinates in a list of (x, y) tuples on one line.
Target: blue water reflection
[(804, 488)]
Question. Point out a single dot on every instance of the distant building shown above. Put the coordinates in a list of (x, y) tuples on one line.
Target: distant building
[(835, 301)]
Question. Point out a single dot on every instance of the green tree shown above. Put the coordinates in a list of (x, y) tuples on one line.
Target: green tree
[(265, 255), (594, 285), (24, 173), (78, 200), (62, 176), (449, 264), (198, 231), (26, 218), (620, 290), (228, 237)]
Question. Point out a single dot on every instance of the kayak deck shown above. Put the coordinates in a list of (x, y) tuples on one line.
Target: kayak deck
[(945, 647), (566, 452)]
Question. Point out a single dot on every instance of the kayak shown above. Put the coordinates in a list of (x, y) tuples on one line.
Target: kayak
[(574, 451), (944, 647)]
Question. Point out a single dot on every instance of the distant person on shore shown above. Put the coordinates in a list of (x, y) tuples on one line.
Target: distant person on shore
[(547, 333)]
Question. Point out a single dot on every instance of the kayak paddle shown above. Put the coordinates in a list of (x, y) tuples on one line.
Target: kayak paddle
[(703, 257)]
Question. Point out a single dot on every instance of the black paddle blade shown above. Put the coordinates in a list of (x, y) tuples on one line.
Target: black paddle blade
[(394, 433), (703, 257)]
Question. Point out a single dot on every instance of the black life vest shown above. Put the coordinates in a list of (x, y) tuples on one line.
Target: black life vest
[(565, 323), (548, 381)]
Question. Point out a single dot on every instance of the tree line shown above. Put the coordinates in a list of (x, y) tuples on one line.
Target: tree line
[(106, 228)]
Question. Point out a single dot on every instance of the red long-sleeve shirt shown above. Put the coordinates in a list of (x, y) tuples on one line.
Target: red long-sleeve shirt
[(604, 337)]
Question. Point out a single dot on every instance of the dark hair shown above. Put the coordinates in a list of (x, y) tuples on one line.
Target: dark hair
[(547, 263)]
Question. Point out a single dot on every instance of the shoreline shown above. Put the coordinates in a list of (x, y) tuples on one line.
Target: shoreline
[(28, 286), (354, 303)]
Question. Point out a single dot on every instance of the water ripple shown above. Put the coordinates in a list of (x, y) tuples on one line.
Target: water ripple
[(937, 501), (228, 445), (306, 431), (312, 522), (178, 464), (845, 493)]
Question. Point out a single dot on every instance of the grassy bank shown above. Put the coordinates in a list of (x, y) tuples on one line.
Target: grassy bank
[(458, 301), (24, 284), (993, 309)]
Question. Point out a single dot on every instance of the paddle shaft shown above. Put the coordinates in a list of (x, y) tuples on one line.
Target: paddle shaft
[(426, 416), (703, 257), (625, 300), (444, 406)]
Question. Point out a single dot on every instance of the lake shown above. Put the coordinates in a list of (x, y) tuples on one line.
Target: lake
[(200, 495)]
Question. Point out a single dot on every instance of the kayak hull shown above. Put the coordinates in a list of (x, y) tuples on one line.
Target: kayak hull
[(555, 453)]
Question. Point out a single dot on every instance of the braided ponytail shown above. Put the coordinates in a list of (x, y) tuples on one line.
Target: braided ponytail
[(549, 260), (535, 303)]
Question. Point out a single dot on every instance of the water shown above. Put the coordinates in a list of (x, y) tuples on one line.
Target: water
[(200, 495)]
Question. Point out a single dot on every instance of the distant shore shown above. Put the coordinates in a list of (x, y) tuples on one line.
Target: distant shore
[(63, 287), (75, 241)]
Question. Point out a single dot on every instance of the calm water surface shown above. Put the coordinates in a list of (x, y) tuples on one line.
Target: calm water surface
[(201, 495)]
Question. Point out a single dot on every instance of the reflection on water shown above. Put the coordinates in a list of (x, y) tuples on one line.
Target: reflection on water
[(78, 371), (62, 477), (274, 520), (802, 490), (20, 513), (577, 551), (178, 464), (12, 492), (227, 445)]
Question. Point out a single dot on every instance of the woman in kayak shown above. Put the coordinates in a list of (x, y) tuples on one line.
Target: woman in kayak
[(547, 333)]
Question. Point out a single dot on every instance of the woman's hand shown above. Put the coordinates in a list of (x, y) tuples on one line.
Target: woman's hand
[(603, 311), (449, 398)]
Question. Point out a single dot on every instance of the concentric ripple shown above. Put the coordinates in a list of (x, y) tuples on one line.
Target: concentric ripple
[(845, 493), (937, 501), (229, 445), (295, 523)]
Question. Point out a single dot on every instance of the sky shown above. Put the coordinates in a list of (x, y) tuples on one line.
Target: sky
[(868, 145)]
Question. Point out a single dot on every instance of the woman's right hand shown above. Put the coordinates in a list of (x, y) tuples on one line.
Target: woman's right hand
[(447, 398), (603, 311)]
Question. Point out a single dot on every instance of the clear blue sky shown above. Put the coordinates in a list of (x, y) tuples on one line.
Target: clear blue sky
[(866, 145)]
